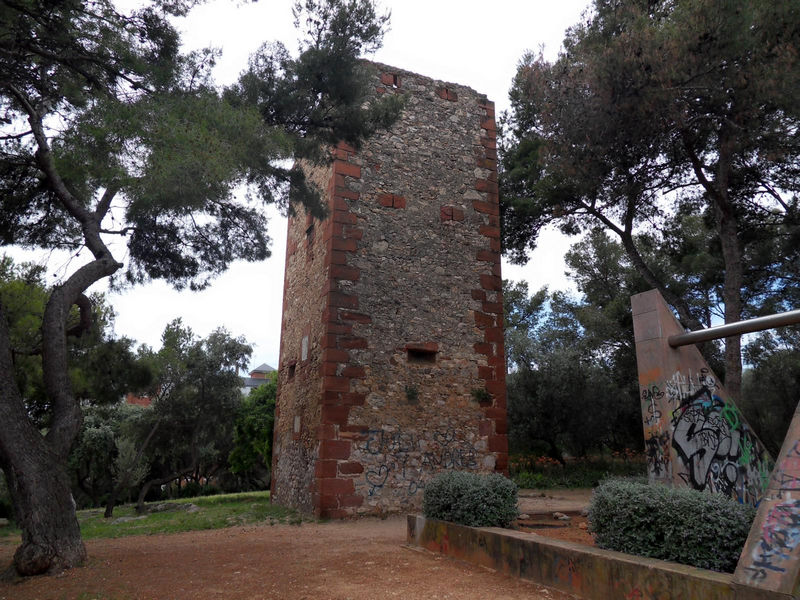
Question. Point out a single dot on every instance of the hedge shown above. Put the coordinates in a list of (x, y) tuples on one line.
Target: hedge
[(471, 499), (676, 524)]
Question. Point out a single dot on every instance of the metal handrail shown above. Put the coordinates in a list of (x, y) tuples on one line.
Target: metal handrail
[(730, 329)]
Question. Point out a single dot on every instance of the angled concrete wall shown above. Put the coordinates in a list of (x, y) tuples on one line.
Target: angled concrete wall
[(695, 436), (771, 557)]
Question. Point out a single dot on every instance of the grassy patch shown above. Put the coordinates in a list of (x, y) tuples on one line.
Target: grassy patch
[(186, 514), (211, 512), (541, 472)]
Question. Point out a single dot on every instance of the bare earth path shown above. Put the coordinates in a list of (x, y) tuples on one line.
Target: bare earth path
[(343, 560), (358, 560)]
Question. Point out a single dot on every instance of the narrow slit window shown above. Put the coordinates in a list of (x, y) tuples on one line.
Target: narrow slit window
[(420, 355)]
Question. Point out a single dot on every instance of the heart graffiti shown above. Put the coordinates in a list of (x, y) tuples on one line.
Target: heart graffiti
[(377, 478)]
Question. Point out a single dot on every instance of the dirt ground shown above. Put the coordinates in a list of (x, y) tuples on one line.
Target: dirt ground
[(344, 560), (539, 507)]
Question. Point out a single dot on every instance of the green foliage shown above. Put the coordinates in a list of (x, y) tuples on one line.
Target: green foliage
[(521, 315), (192, 489), (147, 125), (321, 97), (109, 132), (638, 90), (189, 428), (252, 433), (128, 463), (481, 395), (471, 499), (572, 380), (93, 457), (671, 125), (770, 386), (23, 295), (676, 524), (543, 472), (102, 367)]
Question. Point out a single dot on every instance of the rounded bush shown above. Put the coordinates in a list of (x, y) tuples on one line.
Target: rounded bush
[(471, 499), (676, 524)]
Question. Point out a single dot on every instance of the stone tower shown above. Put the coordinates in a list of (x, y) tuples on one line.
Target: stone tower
[(392, 365)]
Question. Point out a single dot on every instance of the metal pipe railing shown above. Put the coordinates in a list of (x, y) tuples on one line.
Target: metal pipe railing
[(729, 329)]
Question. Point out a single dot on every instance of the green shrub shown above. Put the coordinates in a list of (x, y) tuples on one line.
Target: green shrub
[(676, 524), (527, 480), (471, 499), (531, 471), (192, 489)]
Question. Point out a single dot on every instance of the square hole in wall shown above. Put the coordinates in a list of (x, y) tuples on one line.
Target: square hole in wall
[(421, 355)]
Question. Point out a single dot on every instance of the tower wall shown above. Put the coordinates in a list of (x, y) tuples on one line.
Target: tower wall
[(397, 295)]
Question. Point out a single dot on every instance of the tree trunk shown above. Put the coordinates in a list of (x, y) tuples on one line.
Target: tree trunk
[(719, 194), (732, 297), (112, 501), (45, 511), (554, 453), (148, 484), (35, 464), (732, 258), (37, 481)]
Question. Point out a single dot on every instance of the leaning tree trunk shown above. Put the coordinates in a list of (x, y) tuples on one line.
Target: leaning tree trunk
[(37, 481), (35, 464), (161, 481), (44, 509)]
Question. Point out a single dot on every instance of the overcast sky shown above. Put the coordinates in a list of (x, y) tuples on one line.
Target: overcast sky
[(477, 44)]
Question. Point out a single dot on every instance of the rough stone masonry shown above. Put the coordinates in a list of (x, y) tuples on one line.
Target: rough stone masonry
[(392, 365)]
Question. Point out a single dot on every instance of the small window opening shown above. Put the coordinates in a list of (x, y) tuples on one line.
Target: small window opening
[(418, 355), (291, 372)]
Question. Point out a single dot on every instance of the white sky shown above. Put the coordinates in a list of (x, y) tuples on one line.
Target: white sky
[(477, 44)]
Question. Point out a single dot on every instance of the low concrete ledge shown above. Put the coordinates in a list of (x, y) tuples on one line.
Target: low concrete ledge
[(585, 571)]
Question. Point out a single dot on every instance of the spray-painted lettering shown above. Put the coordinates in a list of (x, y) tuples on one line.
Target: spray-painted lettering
[(407, 460)]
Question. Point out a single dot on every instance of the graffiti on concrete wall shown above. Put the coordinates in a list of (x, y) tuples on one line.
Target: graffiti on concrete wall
[(786, 477), (656, 438), (780, 538), (778, 543), (657, 453), (714, 448), (406, 460)]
